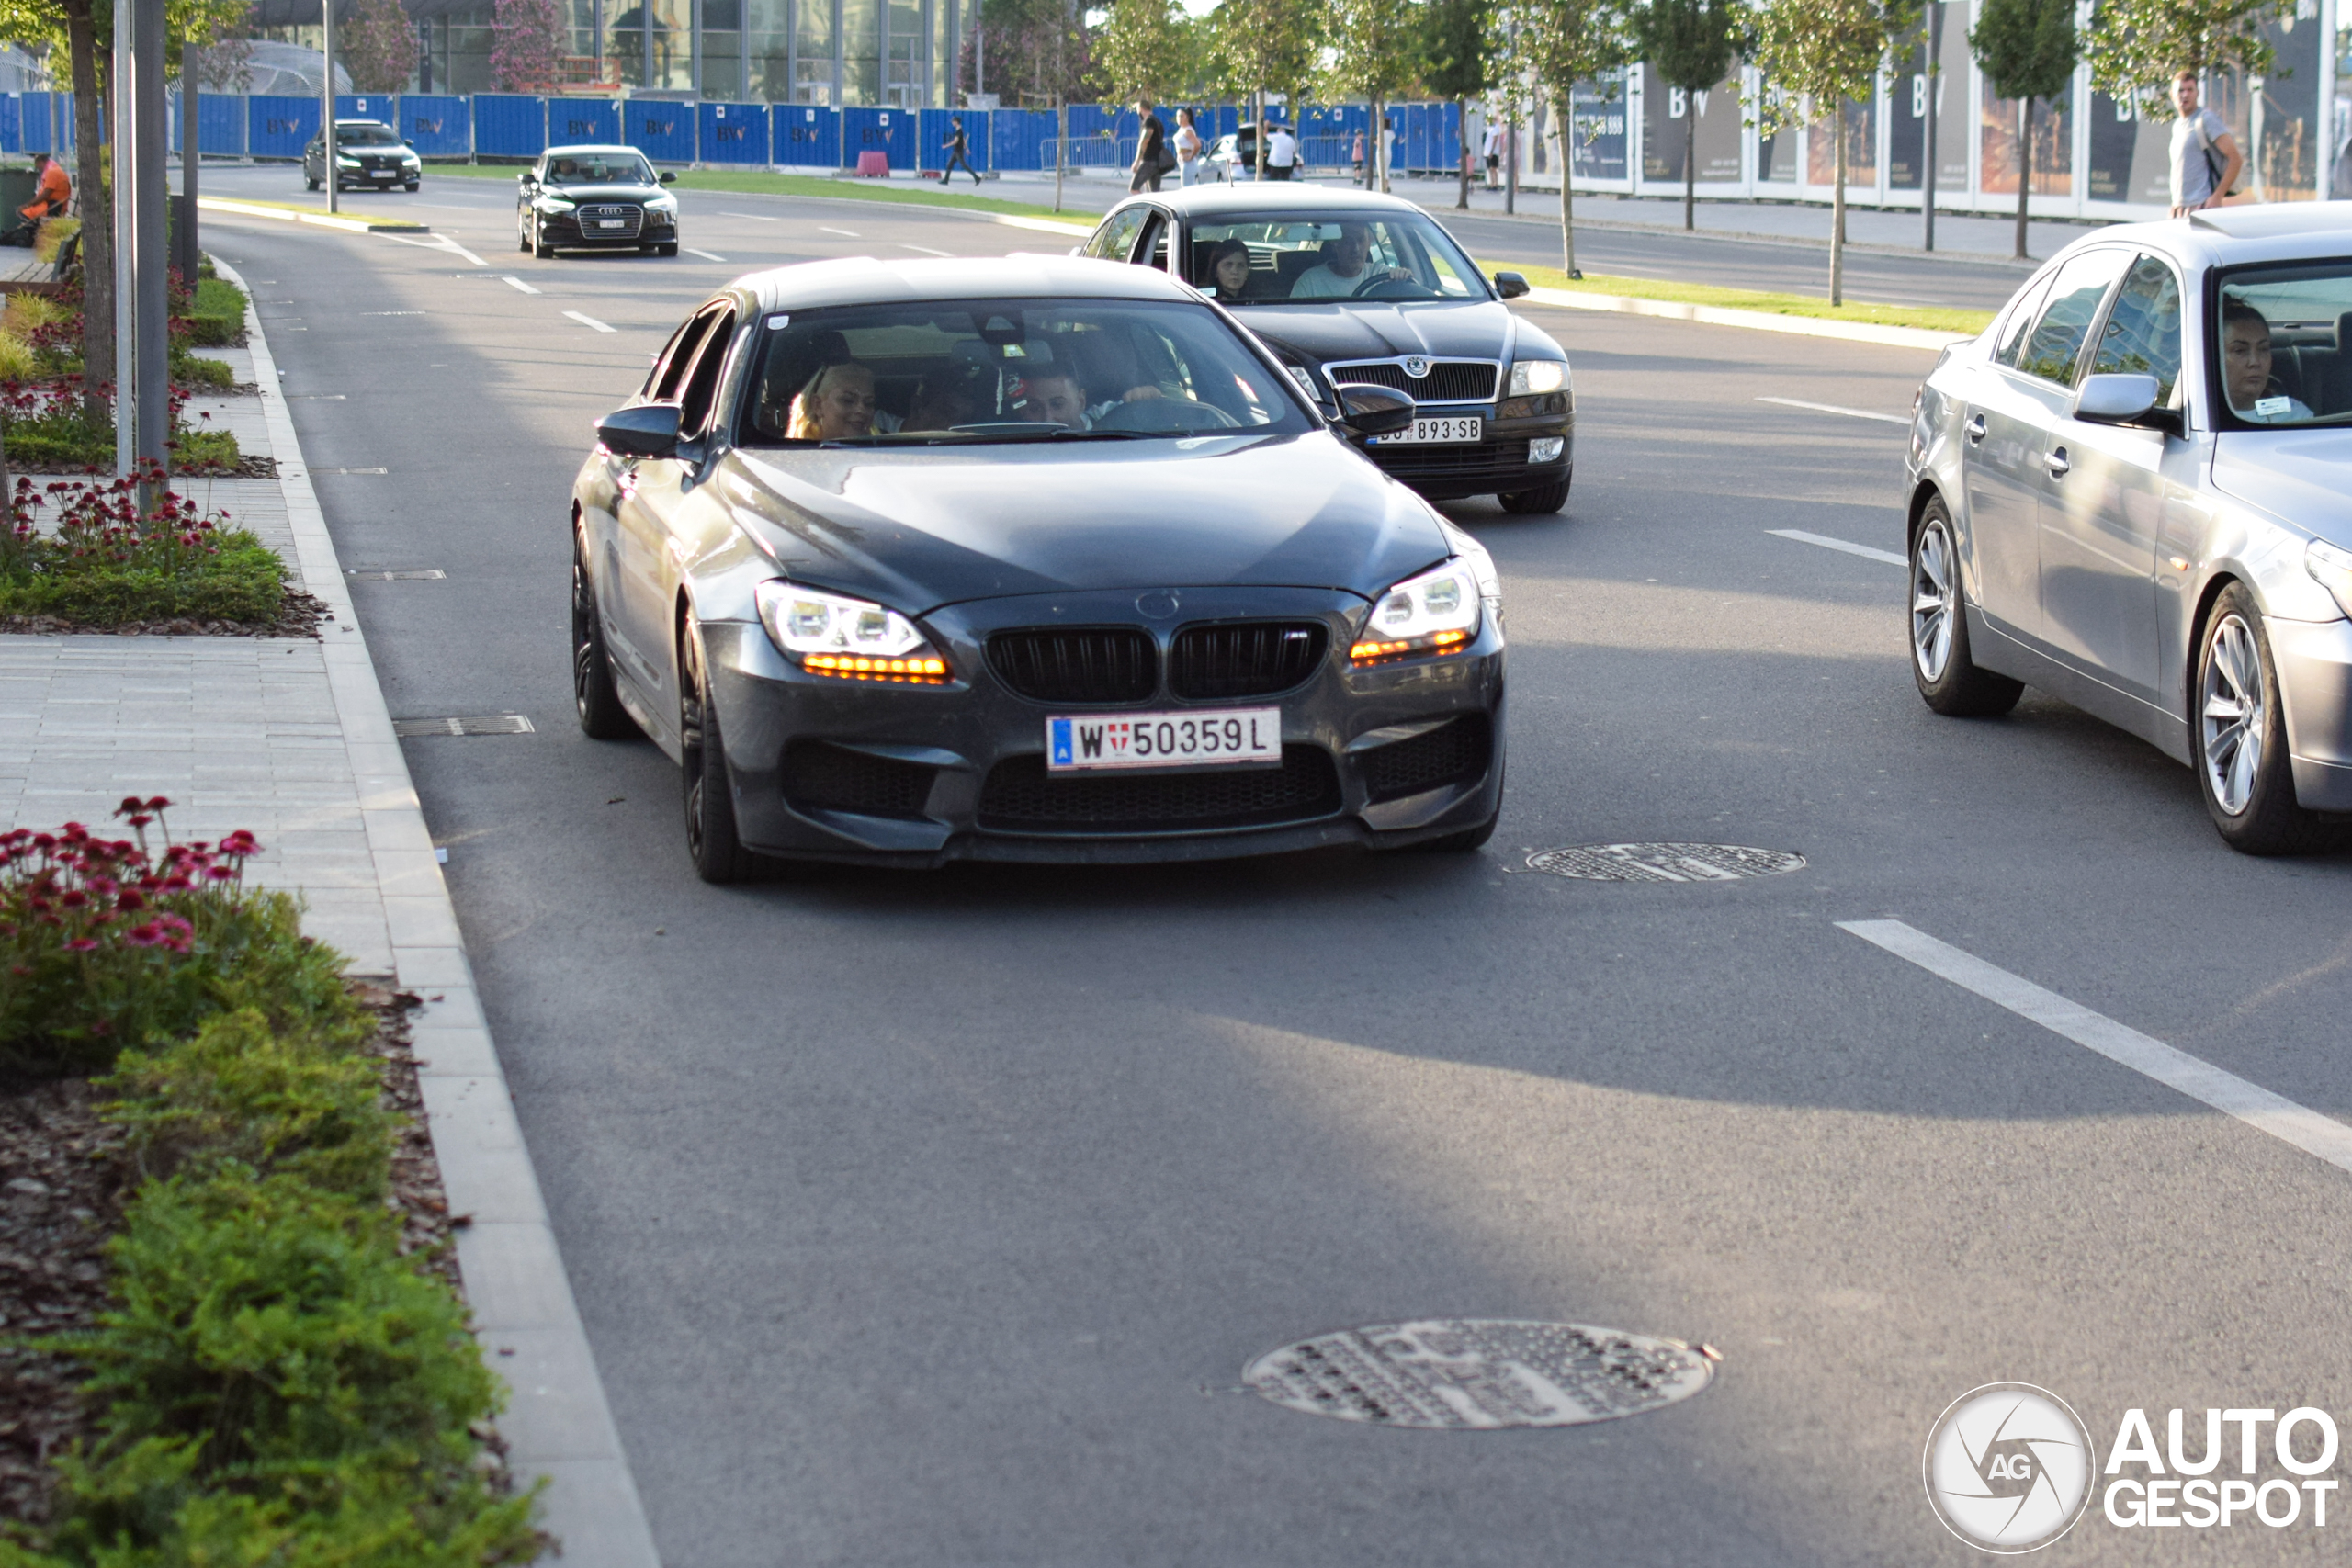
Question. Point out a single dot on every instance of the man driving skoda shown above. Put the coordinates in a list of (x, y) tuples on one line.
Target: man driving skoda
[(1344, 270)]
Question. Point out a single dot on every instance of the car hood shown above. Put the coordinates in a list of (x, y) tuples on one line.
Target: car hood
[(1384, 330), (2302, 478), (601, 192), (920, 528)]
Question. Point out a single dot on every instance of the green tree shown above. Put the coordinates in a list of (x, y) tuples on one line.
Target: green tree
[(529, 41), (2136, 46), (1373, 47), (1139, 50), (377, 43), (1817, 55), (1555, 44), (1689, 45), (1457, 64), (1262, 46), (2028, 51)]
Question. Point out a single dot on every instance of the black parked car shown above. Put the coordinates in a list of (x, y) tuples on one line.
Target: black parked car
[(1024, 558), (595, 199), (1361, 289), (369, 155)]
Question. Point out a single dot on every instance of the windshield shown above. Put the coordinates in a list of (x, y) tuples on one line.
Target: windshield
[(599, 169), (2281, 338), (365, 135), (1329, 256), (971, 371)]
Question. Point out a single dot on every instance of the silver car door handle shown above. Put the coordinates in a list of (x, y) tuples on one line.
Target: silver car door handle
[(1975, 428), (2058, 463)]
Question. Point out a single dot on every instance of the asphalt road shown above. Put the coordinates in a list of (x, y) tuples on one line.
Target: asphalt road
[(1736, 263), (929, 1220)]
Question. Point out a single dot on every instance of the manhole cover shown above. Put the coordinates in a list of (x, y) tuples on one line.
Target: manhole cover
[(1664, 862), (1477, 1372)]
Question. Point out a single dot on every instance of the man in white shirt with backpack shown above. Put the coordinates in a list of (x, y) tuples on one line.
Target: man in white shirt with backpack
[(2206, 162)]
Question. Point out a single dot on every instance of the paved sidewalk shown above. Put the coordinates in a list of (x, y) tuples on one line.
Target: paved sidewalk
[(290, 738)]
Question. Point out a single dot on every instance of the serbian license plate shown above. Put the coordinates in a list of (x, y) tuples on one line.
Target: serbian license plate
[(1433, 431), (1164, 740)]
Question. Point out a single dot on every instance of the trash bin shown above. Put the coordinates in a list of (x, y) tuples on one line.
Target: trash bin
[(16, 190)]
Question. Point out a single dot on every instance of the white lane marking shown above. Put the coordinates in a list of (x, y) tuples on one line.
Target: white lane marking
[(373, 312), (1833, 408), (518, 282), (705, 254), (1826, 543), (439, 242), (756, 218), (844, 233), (2322, 1137), (588, 322), (924, 249)]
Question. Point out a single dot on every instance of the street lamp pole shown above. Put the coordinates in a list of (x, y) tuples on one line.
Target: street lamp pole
[(1927, 173), (126, 247), (327, 109), (151, 131)]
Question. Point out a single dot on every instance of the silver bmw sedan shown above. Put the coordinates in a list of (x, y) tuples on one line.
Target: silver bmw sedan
[(2134, 491)]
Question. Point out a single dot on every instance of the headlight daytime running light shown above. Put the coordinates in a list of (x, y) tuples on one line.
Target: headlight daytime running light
[(850, 639), (2332, 569), (1434, 613), (343, 163), (661, 204), (1531, 375), (556, 204)]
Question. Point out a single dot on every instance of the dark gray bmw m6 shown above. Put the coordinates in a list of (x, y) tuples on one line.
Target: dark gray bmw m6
[(1031, 558)]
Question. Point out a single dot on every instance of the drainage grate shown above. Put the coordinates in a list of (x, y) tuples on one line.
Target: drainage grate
[(1463, 1373), (484, 724), (1664, 862), (429, 574)]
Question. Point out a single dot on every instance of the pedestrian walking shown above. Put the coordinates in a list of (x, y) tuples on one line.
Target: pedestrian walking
[(1188, 148), (1152, 157), (2206, 162), (1492, 149), (1282, 152), (959, 151), (1358, 153)]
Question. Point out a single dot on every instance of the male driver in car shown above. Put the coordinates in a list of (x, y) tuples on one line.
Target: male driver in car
[(2246, 368), (1051, 397), (1343, 270)]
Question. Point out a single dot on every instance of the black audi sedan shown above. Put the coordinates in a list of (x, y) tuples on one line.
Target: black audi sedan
[(1027, 559), (595, 199), (1355, 289), (369, 155)]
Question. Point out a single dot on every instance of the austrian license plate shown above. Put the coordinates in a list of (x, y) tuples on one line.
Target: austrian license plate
[(1164, 740), (1432, 431)]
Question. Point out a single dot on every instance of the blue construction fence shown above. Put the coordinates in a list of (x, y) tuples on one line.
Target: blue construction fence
[(510, 126)]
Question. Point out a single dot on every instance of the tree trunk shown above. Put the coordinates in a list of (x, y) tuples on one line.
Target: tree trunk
[(2025, 167), (1689, 164), (1568, 202), (1838, 218), (1462, 141), (98, 228), (1263, 137)]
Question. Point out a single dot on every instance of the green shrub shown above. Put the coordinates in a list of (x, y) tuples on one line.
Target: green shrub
[(280, 1387), (241, 1092), (216, 314), (201, 370)]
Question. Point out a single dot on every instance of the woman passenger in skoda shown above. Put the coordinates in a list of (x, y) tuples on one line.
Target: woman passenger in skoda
[(2246, 368)]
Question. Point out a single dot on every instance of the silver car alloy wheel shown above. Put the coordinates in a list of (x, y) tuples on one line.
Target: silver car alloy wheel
[(1935, 599), (2231, 719)]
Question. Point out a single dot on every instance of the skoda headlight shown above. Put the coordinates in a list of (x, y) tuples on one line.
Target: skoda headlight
[(1531, 375), (1434, 613), (851, 638), (555, 204), (2333, 569)]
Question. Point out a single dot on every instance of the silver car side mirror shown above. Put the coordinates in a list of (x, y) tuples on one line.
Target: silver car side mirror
[(2116, 399)]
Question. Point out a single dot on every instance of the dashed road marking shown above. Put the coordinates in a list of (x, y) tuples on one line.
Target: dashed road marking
[(513, 282), (1833, 408), (844, 233), (924, 249), (2322, 1137), (588, 322), (757, 218), (1826, 543), (705, 254)]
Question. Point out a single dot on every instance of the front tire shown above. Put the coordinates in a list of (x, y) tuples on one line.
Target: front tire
[(719, 855), (1948, 679), (594, 694), (670, 248), (1533, 502), (539, 246), (2239, 730), (311, 182), (410, 187)]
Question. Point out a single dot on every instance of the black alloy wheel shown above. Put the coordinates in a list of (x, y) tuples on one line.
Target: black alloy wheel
[(539, 246), (1531, 502), (593, 693), (410, 187), (1948, 680), (670, 249), (719, 855), (523, 235), (2238, 731)]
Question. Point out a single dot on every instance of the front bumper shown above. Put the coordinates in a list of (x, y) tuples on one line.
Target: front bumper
[(563, 228), (939, 773), (2314, 661), (1499, 465)]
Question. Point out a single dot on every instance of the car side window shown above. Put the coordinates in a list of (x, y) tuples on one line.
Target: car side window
[(1117, 239), (662, 387), (700, 393), (2056, 346), (1153, 249), (2143, 332), (2020, 321)]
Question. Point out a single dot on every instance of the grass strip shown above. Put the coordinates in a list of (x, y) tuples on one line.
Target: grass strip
[(1932, 318), (752, 182)]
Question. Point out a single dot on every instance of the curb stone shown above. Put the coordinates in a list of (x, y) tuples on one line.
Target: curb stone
[(557, 1424), (1755, 321)]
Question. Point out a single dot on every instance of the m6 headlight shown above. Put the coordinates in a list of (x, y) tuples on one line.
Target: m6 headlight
[(2332, 569), (849, 639), (1434, 613), (1531, 375)]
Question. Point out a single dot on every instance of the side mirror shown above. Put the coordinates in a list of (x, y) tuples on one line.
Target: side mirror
[(525, 178), (2117, 398), (669, 177), (1372, 410), (1510, 284), (648, 430)]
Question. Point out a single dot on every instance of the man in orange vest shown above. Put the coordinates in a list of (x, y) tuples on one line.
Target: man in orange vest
[(50, 194)]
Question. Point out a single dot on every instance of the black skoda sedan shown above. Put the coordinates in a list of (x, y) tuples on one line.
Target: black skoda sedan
[(1359, 289), (595, 199), (1030, 560)]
